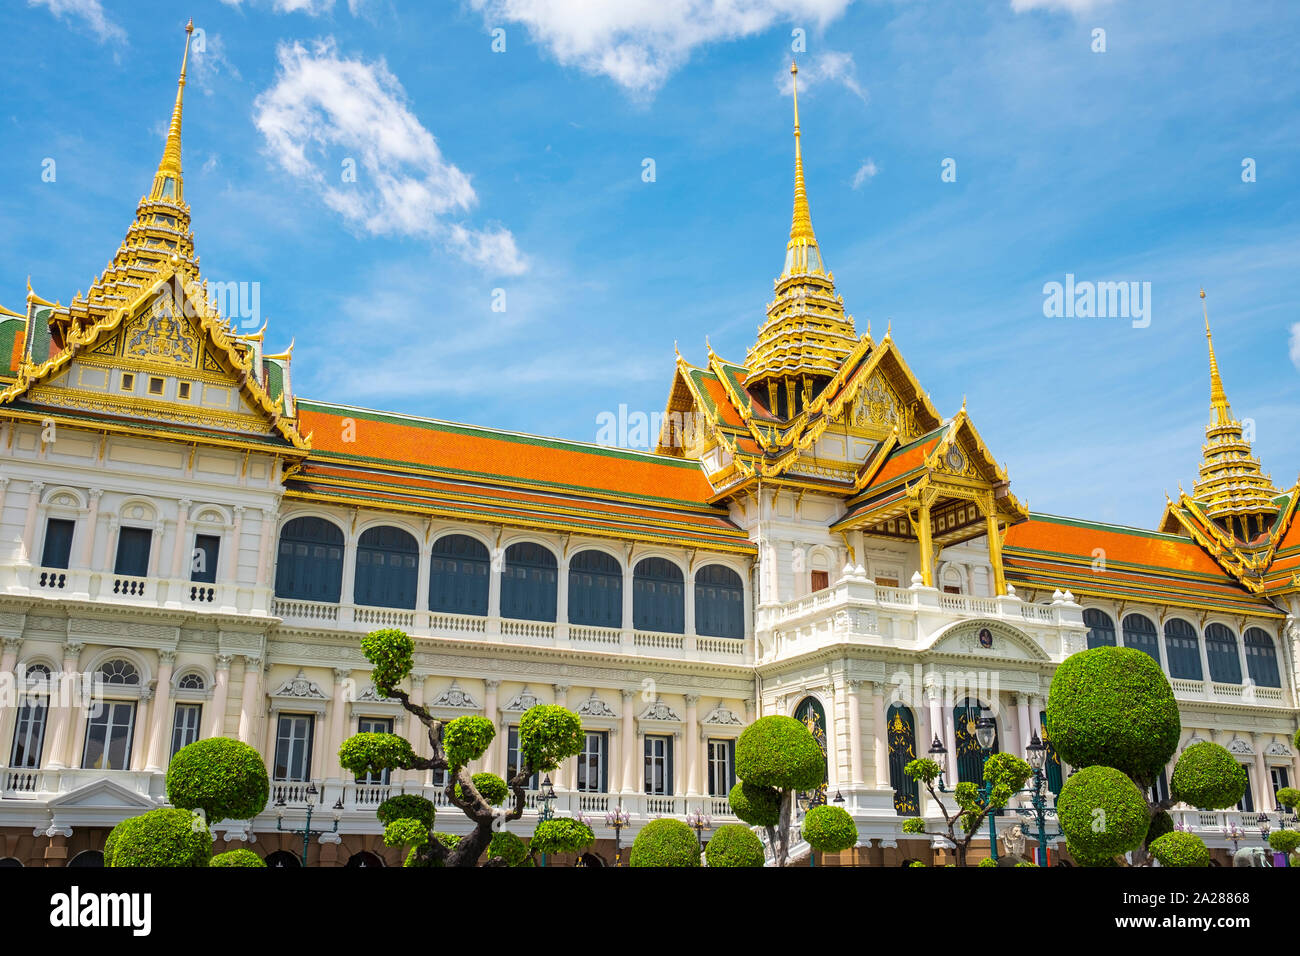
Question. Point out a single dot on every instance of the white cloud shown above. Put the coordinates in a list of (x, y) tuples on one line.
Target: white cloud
[(210, 62), (832, 66), (639, 43), (313, 8), (1295, 345), (1069, 6), (866, 172), (343, 126), (87, 10)]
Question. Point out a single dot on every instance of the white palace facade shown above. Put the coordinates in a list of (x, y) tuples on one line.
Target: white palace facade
[(188, 549)]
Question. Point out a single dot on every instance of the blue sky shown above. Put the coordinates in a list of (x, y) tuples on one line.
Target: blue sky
[(522, 170)]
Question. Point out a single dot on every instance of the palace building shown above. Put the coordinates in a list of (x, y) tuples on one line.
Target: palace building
[(190, 549)]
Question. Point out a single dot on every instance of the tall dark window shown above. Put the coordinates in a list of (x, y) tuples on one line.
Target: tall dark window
[(203, 562), (1101, 629), (658, 597), (1221, 654), (133, 552), (1279, 778), (293, 742), (1140, 634), (719, 602), (722, 767), (58, 543), (1261, 658), (29, 728), (595, 590), (108, 736), (970, 758), (459, 571), (185, 727), (658, 765), (593, 762), (900, 732), (1247, 802), (1052, 766), (374, 725), (310, 566), (388, 568), (1183, 650), (528, 583), (515, 759)]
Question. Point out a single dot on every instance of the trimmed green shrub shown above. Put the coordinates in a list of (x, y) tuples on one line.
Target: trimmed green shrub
[(757, 806), (779, 752), (1284, 841), (987, 861), (466, 738), (734, 845), (406, 832), (407, 806), (165, 837), (1161, 824), (561, 835), (224, 778), (1288, 797), (510, 848), (923, 769), (916, 863), (392, 654), (110, 844), (829, 829), (1026, 863), (914, 825), (1180, 849), (490, 787), (1208, 777), (1086, 859), (1102, 812), (549, 734), (375, 753), (238, 858), (1113, 706), (666, 842)]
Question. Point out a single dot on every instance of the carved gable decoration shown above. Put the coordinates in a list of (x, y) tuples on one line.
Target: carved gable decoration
[(372, 695), (299, 686), (593, 706), (522, 701), (160, 334), (722, 716), (989, 639), (878, 404), (454, 696), (1240, 746), (1278, 749), (659, 711)]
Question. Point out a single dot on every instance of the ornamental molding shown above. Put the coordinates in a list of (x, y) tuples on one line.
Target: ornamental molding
[(722, 716), (372, 695), (455, 696), (1240, 746), (301, 687), (659, 711), (522, 701), (1193, 740), (1278, 749), (593, 706)]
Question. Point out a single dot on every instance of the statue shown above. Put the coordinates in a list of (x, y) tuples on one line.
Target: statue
[(1252, 856), (1013, 841)]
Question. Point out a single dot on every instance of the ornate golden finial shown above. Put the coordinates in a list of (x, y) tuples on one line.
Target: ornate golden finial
[(963, 403), (889, 328), (1218, 397), (801, 224), (167, 181)]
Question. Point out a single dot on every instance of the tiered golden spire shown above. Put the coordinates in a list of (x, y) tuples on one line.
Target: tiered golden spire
[(167, 183), (1231, 489), (806, 335)]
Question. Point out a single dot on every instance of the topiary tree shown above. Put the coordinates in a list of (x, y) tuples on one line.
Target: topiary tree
[(1006, 773), (509, 849), (547, 736), (776, 757), (1207, 776), (225, 779), (1102, 812), (166, 837), (1285, 842), (829, 829), (238, 858), (1180, 849), (665, 842), (1288, 797), (560, 835), (734, 845)]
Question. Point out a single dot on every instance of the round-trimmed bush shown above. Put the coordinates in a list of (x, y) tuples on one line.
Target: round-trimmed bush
[(829, 829), (392, 652), (407, 806), (1208, 777), (466, 738), (1102, 812), (1284, 841), (509, 847), (165, 837), (757, 806), (1180, 849), (734, 845), (238, 858), (987, 861), (1086, 859), (110, 844), (490, 787), (779, 752), (549, 734), (1113, 706), (224, 778), (562, 835), (1288, 797), (375, 753), (665, 842)]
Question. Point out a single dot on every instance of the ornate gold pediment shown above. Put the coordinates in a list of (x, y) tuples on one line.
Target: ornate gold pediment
[(161, 335)]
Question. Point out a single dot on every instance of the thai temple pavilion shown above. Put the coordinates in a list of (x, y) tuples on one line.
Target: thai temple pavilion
[(811, 537)]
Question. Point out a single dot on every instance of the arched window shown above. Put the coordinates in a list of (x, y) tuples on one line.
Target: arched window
[(812, 715), (310, 567), (388, 568), (719, 602), (1052, 765), (1261, 658), (658, 597), (970, 758), (1101, 629), (118, 671), (191, 681), (595, 590), (528, 583), (1183, 650), (282, 858), (1221, 654), (1140, 634), (458, 575), (900, 731)]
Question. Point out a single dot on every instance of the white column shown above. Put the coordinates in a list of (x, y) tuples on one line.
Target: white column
[(217, 719), (881, 734), (1205, 658), (86, 553), (236, 536), (855, 734), (1263, 782), (490, 712), (155, 546), (8, 677), (250, 699), (693, 744), (416, 733), (689, 597), (1240, 641), (1028, 722), (266, 549), (331, 769), (349, 571), (109, 563), (629, 742), (562, 596), (140, 735), (179, 566), (560, 778), (494, 583), (29, 522), (157, 756), (627, 597), (63, 688)]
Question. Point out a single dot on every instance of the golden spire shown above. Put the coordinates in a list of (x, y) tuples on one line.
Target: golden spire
[(801, 223), (167, 181), (1218, 397)]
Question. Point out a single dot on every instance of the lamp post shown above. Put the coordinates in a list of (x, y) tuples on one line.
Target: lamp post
[(699, 821), (306, 831), (1036, 756), (546, 797), (616, 820), (985, 733)]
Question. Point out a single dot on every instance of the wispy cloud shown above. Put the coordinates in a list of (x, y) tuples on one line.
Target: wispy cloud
[(313, 8), (1067, 6), (639, 43), (89, 11), (209, 61), (866, 172), (833, 66), (344, 127)]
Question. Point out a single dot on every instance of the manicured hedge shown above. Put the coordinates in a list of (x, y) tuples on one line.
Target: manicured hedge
[(374, 753), (238, 858), (466, 738), (490, 787), (224, 778), (829, 829), (510, 848), (166, 837), (1207, 776), (734, 845), (779, 752), (1102, 812), (665, 842), (407, 806), (562, 835), (1284, 841), (549, 734), (1180, 849)]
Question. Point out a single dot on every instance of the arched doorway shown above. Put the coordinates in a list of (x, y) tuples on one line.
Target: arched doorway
[(901, 735), (364, 858), (812, 715), (10, 862), (283, 858), (970, 758), (87, 858), (590, 859)]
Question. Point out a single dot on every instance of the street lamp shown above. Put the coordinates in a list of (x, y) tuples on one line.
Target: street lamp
[(616, 820), (1036, 756), (545, 798), (699, 821), (306, 831), (986, 729)]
